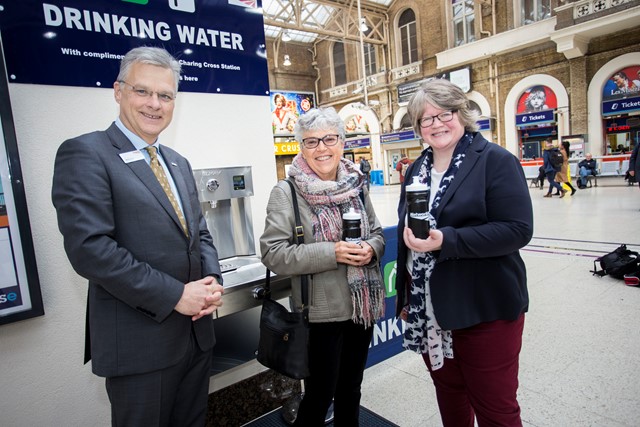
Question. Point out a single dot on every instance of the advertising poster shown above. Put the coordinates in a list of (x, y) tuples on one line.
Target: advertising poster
[(20, 296), (286, 107), (623, 83), (537, 98), (356, 124), (220, 44), (621, 92)]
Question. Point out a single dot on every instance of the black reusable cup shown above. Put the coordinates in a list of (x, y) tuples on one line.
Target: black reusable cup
[(418, 208), (351, 227)]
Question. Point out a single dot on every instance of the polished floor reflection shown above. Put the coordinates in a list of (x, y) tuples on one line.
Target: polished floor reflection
[(580, 362)]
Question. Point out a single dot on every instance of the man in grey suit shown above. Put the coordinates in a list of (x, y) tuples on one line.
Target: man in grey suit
[(133, 226)]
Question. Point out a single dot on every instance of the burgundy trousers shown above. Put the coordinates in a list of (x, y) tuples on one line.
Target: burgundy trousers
[(482, 378)]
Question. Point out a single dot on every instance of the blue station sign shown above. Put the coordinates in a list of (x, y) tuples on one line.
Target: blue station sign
[(220, 44), (535, 118), (621, 106), (350, 144), (484, 124), (405, 135)]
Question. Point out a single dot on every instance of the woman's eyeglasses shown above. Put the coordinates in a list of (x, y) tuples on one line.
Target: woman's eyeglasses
[(329, 141), (445, 116)]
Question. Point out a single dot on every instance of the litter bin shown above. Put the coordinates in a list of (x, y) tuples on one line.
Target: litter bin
[(376, 177)]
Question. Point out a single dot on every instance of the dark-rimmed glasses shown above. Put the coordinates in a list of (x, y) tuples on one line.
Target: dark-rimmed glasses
[(445, 116), (163, 97), (329, 141)]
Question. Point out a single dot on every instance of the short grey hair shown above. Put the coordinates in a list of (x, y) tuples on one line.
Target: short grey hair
[(443, 95), (152, 56), (323, 118)]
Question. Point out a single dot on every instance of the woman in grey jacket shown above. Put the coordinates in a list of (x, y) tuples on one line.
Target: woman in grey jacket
[(346, 293)]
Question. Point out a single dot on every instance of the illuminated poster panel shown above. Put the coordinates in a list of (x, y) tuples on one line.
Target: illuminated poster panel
[(220, 44), (20, 296), (621, 92), (537, 98), (286, 107)]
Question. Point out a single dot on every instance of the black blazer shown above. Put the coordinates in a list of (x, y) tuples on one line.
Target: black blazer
[(634, 162), (122, 234), (485, 216)]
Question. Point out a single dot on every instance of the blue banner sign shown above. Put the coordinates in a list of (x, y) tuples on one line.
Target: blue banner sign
[(484, 124), (350, 144), (405, 135), (220, 44), (388, 331), (535, 118), (621, 106)]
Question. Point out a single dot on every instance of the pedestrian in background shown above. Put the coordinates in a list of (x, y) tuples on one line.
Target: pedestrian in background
[(586, 167), (564, 176), (402, 166), (365, 168), (550, 171)]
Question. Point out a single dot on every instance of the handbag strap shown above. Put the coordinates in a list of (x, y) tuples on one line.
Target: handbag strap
[(299, 232)]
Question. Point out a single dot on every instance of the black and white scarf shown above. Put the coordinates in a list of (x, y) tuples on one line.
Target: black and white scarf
[(423, 333)]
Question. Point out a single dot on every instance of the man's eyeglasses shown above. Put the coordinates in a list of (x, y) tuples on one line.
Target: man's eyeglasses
[(144, 93), (444, 117), (329, 141)]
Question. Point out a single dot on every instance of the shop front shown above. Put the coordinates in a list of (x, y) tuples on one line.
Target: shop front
[(285, 149), (357, 147), (536, 120), (394, 145), (621, 111)]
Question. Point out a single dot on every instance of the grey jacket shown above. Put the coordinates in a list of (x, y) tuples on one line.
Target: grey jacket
[(329, 296), (122, 234)]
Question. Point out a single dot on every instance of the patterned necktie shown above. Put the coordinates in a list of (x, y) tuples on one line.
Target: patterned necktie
[(156, 167)]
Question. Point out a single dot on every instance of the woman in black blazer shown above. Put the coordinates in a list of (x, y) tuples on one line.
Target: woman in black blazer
[(463, 290)]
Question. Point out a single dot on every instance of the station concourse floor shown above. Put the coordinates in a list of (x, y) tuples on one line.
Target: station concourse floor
[(580, 361)]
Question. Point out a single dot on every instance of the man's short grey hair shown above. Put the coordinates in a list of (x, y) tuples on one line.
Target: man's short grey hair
[(323, 118), (152, 56), (443, 95)]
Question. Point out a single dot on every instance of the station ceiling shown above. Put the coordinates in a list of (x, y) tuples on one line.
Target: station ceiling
[(308, 21)]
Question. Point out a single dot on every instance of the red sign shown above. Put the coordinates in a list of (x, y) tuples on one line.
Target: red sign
[(618, 128)]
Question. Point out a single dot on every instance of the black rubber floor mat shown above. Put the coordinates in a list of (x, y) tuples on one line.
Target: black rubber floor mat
[(367, 419)]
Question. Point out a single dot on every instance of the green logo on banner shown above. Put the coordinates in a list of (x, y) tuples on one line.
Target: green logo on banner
[(390, 278), (137, 1)]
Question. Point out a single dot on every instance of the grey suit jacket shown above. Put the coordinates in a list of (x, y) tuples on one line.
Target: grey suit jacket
[(122, 234)]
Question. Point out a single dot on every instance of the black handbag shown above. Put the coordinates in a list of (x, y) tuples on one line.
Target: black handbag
[(284, 335)]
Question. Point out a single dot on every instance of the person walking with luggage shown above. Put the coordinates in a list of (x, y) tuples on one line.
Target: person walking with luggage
[(551, 169)]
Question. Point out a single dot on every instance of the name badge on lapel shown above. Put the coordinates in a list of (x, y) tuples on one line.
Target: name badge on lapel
[(131, 156)]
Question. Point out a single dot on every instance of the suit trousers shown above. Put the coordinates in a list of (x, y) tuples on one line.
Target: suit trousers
[(175, 396), (482, 378), (337, 357)]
